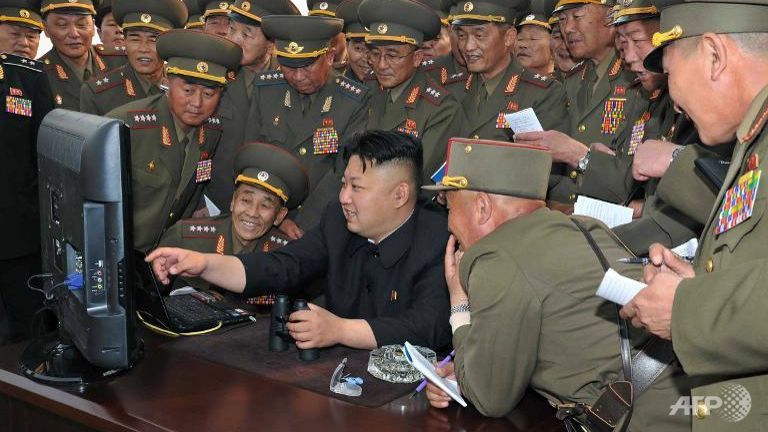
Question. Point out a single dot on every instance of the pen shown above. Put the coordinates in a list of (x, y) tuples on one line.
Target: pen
[(646, 261), (441, 364)]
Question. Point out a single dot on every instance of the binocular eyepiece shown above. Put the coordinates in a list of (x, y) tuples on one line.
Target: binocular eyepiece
[(279, 339)]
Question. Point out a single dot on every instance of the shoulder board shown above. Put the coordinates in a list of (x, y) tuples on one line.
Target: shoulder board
[(655, 95), (429, 65), (204, 228), (370, 76), (213, 122), (433, 93), (538, 80), (578, 67), (270, 78), (109, 52), (456, 77), (107, 80), (143, 119), (350, 88), (277, 238), (14, 60)]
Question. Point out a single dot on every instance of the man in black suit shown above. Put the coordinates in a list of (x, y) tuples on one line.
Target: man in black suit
[(381, 254), (27, 96)]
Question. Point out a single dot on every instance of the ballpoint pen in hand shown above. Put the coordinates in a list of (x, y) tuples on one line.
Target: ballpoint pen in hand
[(442, 363)]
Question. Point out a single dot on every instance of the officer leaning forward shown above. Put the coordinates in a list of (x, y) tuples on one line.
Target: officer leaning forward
[(27, 96), (68, 64), (411, 102), (142, 22), (357, 67), (174, 135), (307, 109), (268, 182)]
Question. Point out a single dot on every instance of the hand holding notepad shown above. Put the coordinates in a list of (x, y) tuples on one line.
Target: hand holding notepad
[(428, 370)]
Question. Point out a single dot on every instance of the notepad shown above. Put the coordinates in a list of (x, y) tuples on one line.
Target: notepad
[(213, 211), (523, 121), (618, 289), (610, 214), (428, 370)]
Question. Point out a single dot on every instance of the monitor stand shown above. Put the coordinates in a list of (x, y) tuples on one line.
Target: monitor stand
[(54, 360)]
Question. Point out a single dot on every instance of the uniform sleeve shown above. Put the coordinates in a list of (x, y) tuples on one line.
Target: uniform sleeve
[(43, 104), (608, 178), (496, 354), (553, 109), (660, 223), (716, 329), (359, 118), (172, 236), (425, 323), (88, 100), (285, 269)]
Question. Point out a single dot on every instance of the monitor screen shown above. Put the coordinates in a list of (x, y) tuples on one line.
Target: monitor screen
[(86, 224)]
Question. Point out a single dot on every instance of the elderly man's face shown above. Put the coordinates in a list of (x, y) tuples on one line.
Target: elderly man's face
[(192, 104), (532, 48), (309, 79), (587, 30), (71, 35), (461, 217), (256, 47), (110, 33), (254, 212), (484, 47), (357, 52), (141, 48), (19, 40), (394, 64), (438, 47), (217, 24), (635, 44)]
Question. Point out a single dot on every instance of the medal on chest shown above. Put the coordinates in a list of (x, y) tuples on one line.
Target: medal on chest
[(326, 139), (203, 171), (501, 121), (18, 105), (409, 128), (613, 115), (739, 201), (638, 133)]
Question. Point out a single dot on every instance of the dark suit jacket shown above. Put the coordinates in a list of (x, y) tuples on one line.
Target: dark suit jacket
[(24, 82), (398, 286)]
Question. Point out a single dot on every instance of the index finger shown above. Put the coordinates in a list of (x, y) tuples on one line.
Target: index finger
[(529, 136)]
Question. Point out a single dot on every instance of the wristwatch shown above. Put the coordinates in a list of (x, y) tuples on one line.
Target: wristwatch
[(676, 152), (461, 307), (583, 162)]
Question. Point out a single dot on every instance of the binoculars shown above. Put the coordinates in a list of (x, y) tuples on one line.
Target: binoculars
[(279, 339)]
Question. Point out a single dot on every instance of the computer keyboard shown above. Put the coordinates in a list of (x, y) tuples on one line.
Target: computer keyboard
[(189, 312)]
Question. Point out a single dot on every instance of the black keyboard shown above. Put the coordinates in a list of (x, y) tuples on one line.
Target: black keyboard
[(189, 313)]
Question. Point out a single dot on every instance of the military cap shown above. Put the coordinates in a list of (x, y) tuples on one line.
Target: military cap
[(70, 7), (496, 167), (104, 9), (323, 8), (441, 7), (300, 40), (689, 19), (153, 15), (398, 21), (347, 11), (636, 10), (198, 57), (252, 11), (274, 170), (213, 7), (534, 19), (564, 5), (471, 12), (21, 12), (195, 17)]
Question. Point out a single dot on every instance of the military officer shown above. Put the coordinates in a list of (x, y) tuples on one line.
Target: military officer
[(358, 68), (110, 33), (174, 135), (601, 93), (439, 46), (563, 60), (328, 9), (502, 276), (195, 19), (143, 22), (245, 30), (449, 70), (27, 96), (215, 16), (306, 108), (498, 84), (72, 60), (20, 27), (411, 102), (532, 45), (710, 310), (268, 182)]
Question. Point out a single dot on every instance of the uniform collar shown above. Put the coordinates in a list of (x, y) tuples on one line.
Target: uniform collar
[(394, 245), (755, 118)]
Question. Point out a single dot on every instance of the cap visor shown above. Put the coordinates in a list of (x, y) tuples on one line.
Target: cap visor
[(295, 62), (653, 61), (438, 188)]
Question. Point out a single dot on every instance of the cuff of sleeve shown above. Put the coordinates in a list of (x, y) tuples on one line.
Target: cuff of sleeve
[(459, 319), (247, 291)]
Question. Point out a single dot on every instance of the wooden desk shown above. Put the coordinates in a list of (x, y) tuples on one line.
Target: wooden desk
[(171, 391)]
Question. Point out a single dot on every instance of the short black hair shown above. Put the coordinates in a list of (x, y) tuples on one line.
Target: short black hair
[(376, 147)]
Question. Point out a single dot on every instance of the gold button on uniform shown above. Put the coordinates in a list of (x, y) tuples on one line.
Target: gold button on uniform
[(302, 151), (574, 174), (710, 266), (701, 410), (475, 136), (572, 197), (582, 128)]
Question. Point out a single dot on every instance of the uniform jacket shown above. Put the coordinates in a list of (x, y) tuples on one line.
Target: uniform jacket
[(24, 89), (111, 89)]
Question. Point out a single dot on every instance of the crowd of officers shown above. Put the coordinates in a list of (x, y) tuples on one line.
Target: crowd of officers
[(246, 107)]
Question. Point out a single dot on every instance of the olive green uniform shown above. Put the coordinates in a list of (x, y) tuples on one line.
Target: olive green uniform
[(716, 329), (601, 100), (107, 91), (537, 322), (448, 73), (168, 170), (423, 109), (311, 127), (66, 82)]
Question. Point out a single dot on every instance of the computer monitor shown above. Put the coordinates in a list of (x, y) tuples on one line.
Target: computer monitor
[(87, 248)]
